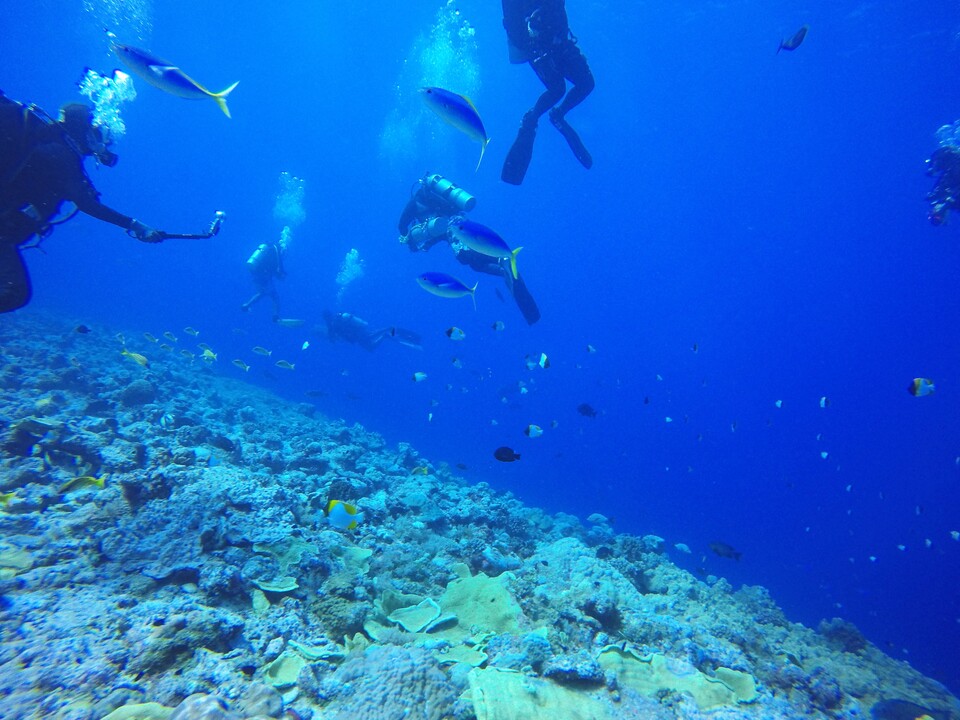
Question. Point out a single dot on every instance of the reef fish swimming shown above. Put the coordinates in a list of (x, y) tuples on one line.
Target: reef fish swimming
[(505, 454), (343, 516), (446, 286), (485, 241), (725, 551), (168, 77), (459, 111), (793, 42), (921, 387)]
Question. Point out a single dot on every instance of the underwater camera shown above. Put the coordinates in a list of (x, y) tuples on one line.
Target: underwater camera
[(441, 187), (217, 222)]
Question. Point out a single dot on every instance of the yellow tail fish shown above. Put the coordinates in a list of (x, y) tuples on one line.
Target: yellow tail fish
[(168, 77)]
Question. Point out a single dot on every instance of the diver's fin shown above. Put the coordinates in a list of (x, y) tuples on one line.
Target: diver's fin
[(525, 302), (289, 322), (406, 337), (573, 140), (221, 98), (521, 152)]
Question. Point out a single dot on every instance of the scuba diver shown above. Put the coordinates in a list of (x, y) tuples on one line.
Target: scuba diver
[(538, 33), (264, 265), (354, 330), (945, 195), (41, 167), (434, 209)]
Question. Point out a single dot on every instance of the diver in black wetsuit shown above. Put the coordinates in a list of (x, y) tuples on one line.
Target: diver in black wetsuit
[(538, 32), (945, 195), (435, 207), (41, 167), (354, 330)]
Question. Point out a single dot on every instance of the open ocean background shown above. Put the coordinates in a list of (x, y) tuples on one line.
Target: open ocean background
[(767, 209)]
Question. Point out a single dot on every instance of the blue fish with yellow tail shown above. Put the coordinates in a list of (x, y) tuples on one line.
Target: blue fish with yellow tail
[(459, 111), (446, 286), (168, 77), (485, 241)]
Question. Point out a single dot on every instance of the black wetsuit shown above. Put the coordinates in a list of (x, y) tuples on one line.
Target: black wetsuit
[(40, 169), (538, 32), (354, 330)]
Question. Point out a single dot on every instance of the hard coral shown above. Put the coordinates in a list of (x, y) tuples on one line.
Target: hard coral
[(384, 683), (842, 635)]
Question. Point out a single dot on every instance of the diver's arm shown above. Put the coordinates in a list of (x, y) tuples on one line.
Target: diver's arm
[(100, 211), (141, 231), (408, 216), (81, 191)]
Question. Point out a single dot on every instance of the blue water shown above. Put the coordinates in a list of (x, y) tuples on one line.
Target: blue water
[(766, 208)]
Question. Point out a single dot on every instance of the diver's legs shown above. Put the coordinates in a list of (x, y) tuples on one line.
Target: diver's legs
[(521, 152), (15, 289), (275, 298), (575, 68), (256, 296), (547, 67)]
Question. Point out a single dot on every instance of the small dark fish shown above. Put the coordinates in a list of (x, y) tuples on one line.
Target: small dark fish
[(316, 393), (646, 400), (505, 454), (586, 410), (82, 329), (793, 42), (499, 295), (725, 551), (461, 466)]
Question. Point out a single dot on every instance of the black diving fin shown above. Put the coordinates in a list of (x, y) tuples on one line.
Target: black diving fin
[(521, 152), (573, 140)]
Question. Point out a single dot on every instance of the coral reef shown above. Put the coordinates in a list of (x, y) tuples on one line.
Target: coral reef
[(202, 580)]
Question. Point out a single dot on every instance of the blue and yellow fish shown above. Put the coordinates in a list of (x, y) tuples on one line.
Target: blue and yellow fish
[(446, 286), (343, 516), (459, 111), (485, 241), (921, 387), (168, 77)]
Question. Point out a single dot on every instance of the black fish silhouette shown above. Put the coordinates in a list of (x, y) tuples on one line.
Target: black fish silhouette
[(793, 42)]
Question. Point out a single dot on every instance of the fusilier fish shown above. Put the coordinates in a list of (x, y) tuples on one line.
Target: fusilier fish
[(446, 286), (459, 111), (485, 241), (793, 42), (168, 77)]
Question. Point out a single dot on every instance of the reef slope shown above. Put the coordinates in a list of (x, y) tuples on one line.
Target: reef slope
[(204, 580)]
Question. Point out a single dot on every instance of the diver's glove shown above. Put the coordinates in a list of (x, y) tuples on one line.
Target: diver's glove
[(145, 233)]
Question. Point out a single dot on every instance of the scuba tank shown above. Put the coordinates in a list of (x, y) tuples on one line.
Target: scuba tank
[(421, 234), (260, 257), (450, 193)]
